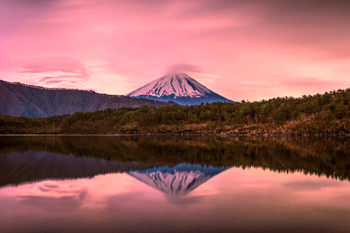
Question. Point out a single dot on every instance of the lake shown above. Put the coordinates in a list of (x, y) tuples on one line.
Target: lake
[(174, 184)]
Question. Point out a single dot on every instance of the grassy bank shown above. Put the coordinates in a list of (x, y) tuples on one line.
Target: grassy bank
[(326, 114)]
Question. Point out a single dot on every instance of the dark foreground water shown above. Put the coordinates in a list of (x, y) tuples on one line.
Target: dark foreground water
[(174, 184)]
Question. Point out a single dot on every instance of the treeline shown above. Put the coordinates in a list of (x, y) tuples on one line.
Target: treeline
[(310, 155), (324, 114)]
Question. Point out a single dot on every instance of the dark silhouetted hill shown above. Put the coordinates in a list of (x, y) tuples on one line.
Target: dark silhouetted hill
[(32, 101)]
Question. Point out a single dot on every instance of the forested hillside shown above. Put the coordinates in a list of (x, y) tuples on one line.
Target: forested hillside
[(324, 114)]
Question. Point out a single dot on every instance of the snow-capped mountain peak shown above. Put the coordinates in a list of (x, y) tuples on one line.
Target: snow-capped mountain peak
[(177, 84), (178, 87)]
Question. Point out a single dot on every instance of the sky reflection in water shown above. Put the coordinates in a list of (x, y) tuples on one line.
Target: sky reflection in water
[(47, 191), (248, 200)]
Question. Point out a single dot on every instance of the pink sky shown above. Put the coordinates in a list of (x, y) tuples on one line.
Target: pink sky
[(251, 49)]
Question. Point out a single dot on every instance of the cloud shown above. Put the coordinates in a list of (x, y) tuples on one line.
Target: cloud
[(62, 204), (57, 70), (312, 185), (60, 79), (52, 197), (236, 41), (184, 200), (183, 68), (64, 64), (312, 83)]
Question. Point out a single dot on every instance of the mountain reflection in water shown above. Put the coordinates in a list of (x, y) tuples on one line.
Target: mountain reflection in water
[(174, 184), (178, 180)]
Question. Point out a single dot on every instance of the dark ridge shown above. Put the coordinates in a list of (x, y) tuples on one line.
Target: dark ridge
[(191, 84), (32, 101)]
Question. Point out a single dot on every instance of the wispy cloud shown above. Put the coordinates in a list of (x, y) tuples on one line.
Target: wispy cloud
[(183, 67), (56, 70), (236, 41)]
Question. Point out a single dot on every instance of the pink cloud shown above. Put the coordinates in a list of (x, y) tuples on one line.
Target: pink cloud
[(312, 83), (58, 80), (241, 43), (64, 64), (56, 71), (183, 67)]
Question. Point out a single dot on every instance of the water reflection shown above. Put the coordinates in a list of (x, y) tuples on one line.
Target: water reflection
[(30, 166), (179, 184), (235, 200), (177, 180), (94, 155)]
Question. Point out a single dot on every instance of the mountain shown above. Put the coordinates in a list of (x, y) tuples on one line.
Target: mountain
[(180, 88), (178, 180), (32, 101)]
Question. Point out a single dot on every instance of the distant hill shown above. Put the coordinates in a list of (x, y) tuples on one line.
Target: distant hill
[(180, 88), (18, 99)]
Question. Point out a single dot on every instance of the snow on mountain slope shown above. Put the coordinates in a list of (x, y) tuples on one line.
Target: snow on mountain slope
[(178, 180), (173, 84), (180, 88)]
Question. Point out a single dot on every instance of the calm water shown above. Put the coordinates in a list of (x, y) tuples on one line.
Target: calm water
[(174, 184)]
